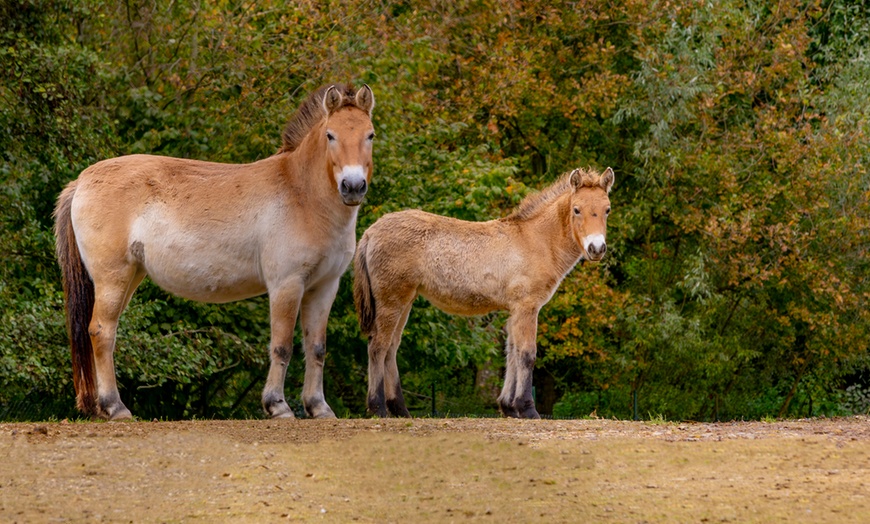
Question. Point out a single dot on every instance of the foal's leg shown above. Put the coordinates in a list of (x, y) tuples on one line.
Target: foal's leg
[(314, 316), (112, 292), (395, 400), (524, 324), (389, 313), (506, 398), (283, 309)]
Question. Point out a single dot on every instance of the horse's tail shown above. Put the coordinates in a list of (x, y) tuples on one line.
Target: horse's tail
[(78, 292), (362, 288)]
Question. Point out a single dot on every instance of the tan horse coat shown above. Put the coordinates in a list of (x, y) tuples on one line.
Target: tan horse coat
[(216, 233), (470, 268)]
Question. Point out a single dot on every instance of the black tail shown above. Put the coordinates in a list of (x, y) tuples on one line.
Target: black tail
[(362, 289), (78, 291)]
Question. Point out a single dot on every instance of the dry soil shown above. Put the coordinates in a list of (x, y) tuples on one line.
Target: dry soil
[(436, 470)]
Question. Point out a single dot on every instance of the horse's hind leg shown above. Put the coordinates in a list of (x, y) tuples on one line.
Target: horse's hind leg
[(506, 398), (314, 316), (395, 400), (389, 313), (523, 330), (283, 309), (111, 297)]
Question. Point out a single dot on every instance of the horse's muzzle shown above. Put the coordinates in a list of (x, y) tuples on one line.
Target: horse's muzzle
[(352, 191)]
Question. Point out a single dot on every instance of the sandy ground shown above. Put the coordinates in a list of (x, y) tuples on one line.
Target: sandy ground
[(436, 470)]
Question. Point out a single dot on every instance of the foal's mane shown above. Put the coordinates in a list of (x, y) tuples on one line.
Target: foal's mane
[(534, 203), (310, 112)]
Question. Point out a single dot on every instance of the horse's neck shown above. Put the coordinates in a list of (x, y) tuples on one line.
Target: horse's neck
[(554, 223)]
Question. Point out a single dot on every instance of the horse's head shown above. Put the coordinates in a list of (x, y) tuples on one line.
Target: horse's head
[(590, 206), (349, 135)]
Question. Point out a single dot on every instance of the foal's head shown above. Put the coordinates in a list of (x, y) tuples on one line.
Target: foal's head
[(590, 206), (342, 118)]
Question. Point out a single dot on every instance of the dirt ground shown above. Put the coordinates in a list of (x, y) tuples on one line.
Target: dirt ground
[(436, 470)]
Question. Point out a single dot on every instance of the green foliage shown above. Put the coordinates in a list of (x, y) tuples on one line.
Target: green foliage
[(736, 283)]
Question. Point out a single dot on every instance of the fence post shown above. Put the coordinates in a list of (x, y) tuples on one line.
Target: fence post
[(434, 411), (634, 403)]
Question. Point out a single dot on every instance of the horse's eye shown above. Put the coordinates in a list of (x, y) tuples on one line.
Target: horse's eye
[(330, 136), (576, 210), (371, 136), (607, 212)]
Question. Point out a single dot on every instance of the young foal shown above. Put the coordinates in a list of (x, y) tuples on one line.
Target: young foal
[(470, 268), (284, 225)]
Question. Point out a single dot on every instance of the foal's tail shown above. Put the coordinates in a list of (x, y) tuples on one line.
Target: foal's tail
[(78, 292), (362, 289)]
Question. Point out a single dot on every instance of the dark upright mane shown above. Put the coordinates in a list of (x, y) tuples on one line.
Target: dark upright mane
[(311, 112), (532, 204)]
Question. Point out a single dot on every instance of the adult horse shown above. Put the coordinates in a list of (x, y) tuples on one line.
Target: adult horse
[(210, 232), (515, 263)]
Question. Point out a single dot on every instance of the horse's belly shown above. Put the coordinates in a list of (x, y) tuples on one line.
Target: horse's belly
[(204, 273), (462, 301)]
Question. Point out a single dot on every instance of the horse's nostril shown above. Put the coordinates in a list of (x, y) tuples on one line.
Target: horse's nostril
[(362, 186), (344, 186)]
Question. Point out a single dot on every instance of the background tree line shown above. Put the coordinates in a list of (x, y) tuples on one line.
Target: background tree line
[(737, 280)]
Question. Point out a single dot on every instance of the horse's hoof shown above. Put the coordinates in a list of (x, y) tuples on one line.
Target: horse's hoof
[(278, 409), (121, 414), (111, 408), (319, 409)]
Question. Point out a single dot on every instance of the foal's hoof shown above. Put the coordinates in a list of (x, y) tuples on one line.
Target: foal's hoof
[(530, 413), (398, 409), (508, 410)]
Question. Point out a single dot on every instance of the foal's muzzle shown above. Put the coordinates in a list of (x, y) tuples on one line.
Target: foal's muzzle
[(595, 247)]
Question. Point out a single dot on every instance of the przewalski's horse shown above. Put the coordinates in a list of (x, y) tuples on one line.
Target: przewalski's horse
[(514, 263), (210, 232)]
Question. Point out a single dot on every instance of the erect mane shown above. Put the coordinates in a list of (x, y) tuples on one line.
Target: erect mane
[(534, 203), (310, 112)]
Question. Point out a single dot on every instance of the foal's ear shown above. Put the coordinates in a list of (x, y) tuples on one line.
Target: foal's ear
[(606, 180), (331, 100), (365, 99), (576, 179)]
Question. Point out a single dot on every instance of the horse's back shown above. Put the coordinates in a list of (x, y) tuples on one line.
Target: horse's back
[(458, 265), (195, 228)]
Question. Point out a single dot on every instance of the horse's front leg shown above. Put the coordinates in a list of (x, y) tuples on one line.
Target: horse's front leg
[(283, 309), (314, 316), (524, 327)]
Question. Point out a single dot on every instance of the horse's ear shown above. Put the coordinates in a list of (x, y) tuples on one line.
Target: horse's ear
[(606, 180), (576, 179), (365, 99), (331, 100)]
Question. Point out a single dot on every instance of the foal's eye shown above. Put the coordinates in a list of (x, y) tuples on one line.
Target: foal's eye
[(330, 136), (607, 212), (576, 210), (371, 136)]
